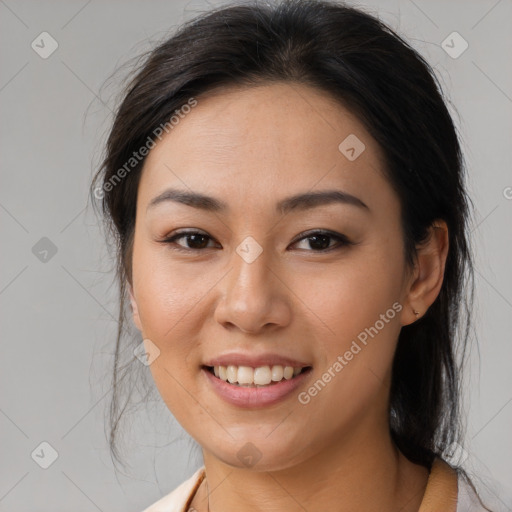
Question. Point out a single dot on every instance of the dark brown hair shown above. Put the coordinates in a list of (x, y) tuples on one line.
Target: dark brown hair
[(367, 67)]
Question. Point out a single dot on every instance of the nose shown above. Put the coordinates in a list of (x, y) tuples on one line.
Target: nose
[(253, 296)]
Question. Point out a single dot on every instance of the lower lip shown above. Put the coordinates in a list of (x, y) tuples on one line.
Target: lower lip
[(255, 397)]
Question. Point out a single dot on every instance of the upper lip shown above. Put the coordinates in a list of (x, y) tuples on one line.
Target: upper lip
[(254, 361)]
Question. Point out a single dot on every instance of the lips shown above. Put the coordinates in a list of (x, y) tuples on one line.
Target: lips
[(254, 370), (254, 380), (253, 396), (254, 361)]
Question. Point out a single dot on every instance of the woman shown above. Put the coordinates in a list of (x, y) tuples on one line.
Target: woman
[(286, 189)]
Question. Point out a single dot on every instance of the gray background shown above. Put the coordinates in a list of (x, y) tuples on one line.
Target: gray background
[(58, 310)]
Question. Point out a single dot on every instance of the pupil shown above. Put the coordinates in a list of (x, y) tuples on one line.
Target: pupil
[(193, 238), (324, 244)]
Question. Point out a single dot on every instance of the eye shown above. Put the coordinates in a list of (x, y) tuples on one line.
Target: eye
[(195, 240), (320, 240)]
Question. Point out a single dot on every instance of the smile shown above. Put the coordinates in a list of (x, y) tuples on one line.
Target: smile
[(238, 385), (255, 377)]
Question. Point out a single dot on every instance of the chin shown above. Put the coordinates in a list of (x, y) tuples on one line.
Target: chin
[(261, 455)]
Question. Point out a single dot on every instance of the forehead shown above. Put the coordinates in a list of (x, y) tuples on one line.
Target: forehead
[(256, 143)]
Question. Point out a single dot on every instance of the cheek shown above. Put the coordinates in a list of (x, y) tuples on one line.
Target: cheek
[(357, 308), (164, 293), (358, 312), (353, 294), (167, 300)]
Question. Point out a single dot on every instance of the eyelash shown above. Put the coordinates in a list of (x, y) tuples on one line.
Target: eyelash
[(343, 240)]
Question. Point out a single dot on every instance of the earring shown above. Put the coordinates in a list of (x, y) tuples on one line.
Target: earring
[(416, 312)]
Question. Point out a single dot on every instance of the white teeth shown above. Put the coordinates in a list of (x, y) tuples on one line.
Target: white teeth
[(277, 373), (245, 375), (232, 373), (260, 376), (288, 372)]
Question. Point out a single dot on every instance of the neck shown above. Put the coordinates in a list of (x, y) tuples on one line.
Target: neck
[(364, 472)]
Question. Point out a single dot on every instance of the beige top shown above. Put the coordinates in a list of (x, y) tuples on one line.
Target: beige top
[(445, 492)]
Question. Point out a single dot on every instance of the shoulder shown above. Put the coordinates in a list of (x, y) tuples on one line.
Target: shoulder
[(467, 498), (177, 500)]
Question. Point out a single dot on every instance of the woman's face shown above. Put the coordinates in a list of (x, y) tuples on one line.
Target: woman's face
[(259, 287)]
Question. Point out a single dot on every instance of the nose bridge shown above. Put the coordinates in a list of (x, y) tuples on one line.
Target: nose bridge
[(251, 297), (250, 273)]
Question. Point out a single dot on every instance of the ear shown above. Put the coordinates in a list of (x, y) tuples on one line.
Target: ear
[(135, 310), (428, 274)]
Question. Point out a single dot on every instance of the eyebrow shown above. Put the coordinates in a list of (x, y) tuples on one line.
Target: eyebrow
[(298, 202)]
